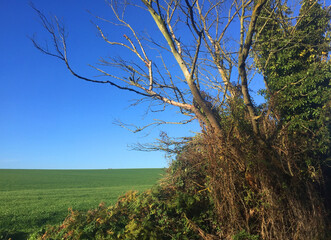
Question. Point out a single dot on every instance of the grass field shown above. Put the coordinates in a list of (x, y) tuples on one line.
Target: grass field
[(30, 199)]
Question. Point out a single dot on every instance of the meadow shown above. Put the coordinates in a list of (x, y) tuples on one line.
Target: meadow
[(31, 199)]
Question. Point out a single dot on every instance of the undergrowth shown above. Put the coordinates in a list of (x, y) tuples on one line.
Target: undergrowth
[(228, 186)]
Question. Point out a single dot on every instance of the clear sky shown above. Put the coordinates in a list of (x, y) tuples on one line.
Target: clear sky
[(51, 120)]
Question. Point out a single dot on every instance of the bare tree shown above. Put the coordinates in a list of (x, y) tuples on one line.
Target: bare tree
[(204, 57)]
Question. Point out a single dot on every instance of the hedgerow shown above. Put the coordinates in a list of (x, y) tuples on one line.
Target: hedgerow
[(163, 212), (223, 188)]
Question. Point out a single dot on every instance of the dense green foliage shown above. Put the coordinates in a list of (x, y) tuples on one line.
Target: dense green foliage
[(135, 216), (293, 56), (293, 59), (33, 198)]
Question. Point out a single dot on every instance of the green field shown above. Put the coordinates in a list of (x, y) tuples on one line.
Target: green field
[(30, 199)]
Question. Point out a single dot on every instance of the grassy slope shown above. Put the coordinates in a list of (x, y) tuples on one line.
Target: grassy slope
[(30, 199)]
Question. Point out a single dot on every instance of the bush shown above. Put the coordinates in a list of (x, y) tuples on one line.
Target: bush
[(154, 214), (219, 187)]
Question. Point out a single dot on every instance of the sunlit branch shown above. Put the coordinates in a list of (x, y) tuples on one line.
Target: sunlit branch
[(157, 122)]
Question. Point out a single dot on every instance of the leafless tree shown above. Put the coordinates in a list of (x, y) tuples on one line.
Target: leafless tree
[(220, 40)]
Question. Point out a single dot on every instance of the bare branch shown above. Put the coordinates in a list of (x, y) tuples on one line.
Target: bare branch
[(157, 122)]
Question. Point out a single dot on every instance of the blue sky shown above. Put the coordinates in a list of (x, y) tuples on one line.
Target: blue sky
[(51, 120)]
